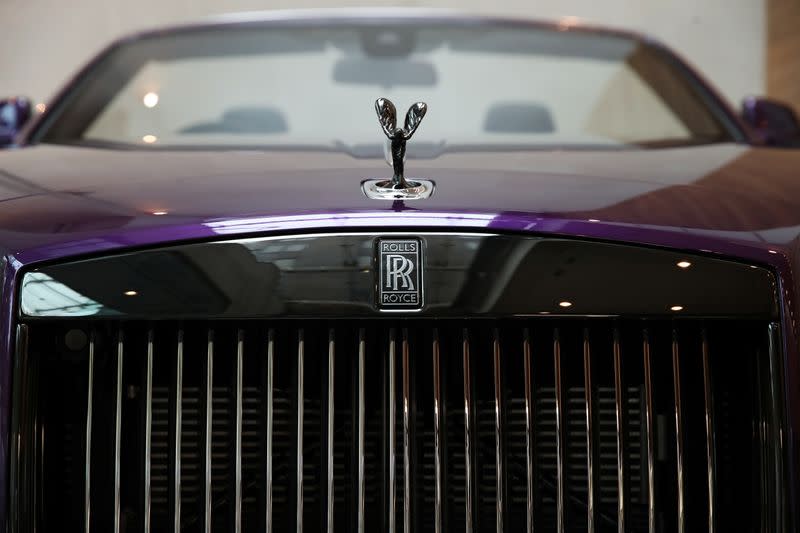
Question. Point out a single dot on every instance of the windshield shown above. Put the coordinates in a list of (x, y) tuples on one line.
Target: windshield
[(487, 88)]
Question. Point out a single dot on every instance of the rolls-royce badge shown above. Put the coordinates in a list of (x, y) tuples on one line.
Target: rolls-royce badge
[(400, 274), (398, 188)]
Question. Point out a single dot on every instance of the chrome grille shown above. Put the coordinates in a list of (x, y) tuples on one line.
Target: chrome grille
[(398, 425)]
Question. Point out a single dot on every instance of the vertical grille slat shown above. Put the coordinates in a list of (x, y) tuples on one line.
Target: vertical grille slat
[(87, 461), (208, 411), (650, 434), (329, 432), (619, 420), (148, 431), (176, 460), (775, 421), (239, 386), (392, 431), (709, 426), (361, 497), (676, 372), (299, 447), (248, 426), (437, 430), (469, 445), (560, 440), (406, 433), (529, 429), (269, 408), (590, 445), (118, 430), (498, 430)]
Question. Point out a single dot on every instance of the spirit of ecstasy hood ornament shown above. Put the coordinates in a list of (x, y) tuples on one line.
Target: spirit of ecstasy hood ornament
[(398, 188)]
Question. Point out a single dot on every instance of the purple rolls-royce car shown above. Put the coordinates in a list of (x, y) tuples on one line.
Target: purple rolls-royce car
[(567, 303)]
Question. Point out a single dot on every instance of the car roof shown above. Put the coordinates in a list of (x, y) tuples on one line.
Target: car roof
[(379, 15)]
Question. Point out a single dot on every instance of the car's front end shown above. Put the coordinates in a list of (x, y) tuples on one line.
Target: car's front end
[(567, 321)]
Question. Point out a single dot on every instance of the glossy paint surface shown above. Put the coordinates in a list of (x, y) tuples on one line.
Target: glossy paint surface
[(60, 201), (727, 200)]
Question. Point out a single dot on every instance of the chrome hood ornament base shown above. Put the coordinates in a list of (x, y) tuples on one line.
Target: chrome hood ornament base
[(398, 188)]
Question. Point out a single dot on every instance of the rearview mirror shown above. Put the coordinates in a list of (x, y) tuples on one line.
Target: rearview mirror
[(774, 122), (14, 114)]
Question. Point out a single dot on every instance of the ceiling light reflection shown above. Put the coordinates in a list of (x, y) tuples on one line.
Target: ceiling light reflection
[(150, 99), (131, 293), (684, 264), (565, 304), (149, 139), (568, 22), (676, 308)]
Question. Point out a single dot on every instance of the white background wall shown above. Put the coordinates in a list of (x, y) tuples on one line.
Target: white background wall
[(43, 41)]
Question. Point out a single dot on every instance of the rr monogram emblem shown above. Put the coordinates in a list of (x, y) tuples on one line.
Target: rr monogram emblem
[(400, 274), (399, 269)]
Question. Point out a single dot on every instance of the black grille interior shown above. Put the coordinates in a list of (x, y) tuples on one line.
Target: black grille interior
[(729, 359)]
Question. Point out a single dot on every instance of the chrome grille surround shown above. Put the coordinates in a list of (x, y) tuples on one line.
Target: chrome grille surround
[(481, 412)]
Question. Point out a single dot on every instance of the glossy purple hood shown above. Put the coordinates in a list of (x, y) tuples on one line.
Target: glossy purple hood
[(729, 199)]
